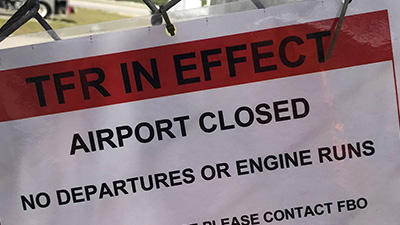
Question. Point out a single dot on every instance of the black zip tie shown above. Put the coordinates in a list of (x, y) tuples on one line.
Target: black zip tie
[(258, 4), (160, 13), (47, 27), (337, 29), (27, 11), (170, 27), (156, 18), (151, 6)]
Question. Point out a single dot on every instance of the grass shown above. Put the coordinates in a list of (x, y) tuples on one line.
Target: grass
[(157, 2), (80, 17)]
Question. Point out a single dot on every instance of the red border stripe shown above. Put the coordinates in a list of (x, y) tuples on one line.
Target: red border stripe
[(364, 39)]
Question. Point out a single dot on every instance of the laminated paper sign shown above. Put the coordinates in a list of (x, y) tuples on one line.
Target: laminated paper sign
[(237, 120)]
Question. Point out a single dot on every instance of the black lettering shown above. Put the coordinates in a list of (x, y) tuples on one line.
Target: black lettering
[(250, 114), (240, 166), (207, 64), (76, 192), (166, 129), (324, 153), (61, 88), (105, 190), (180, 69), (143, 183), (161, 178), (119, 185), (282, 52), (174, 176), (133, 184), (90, 190), (188, 176), (222, 121), (139, 136), (352, 150), (273, 165), (125, 78), (107, 139), (91, 140), (257, 56), (319, 43), (223, 168), (94, 83), (306, 106), (181, 121), (232, 60), (336, 152), (78, 143), (256, 165), (154, 80), (39, 87), (278, 111), (305, 157), (369, 148), (128, 133), (203, 126), (46, 197), (260, 111), (30, 202), (61, 200)]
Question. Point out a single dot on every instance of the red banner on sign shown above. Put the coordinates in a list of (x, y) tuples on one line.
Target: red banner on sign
[(192, 66)]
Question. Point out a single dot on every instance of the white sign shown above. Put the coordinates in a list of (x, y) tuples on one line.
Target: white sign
[(238, 123)]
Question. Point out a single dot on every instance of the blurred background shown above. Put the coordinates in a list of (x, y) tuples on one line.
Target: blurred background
[(69, 13), (78, 18)]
